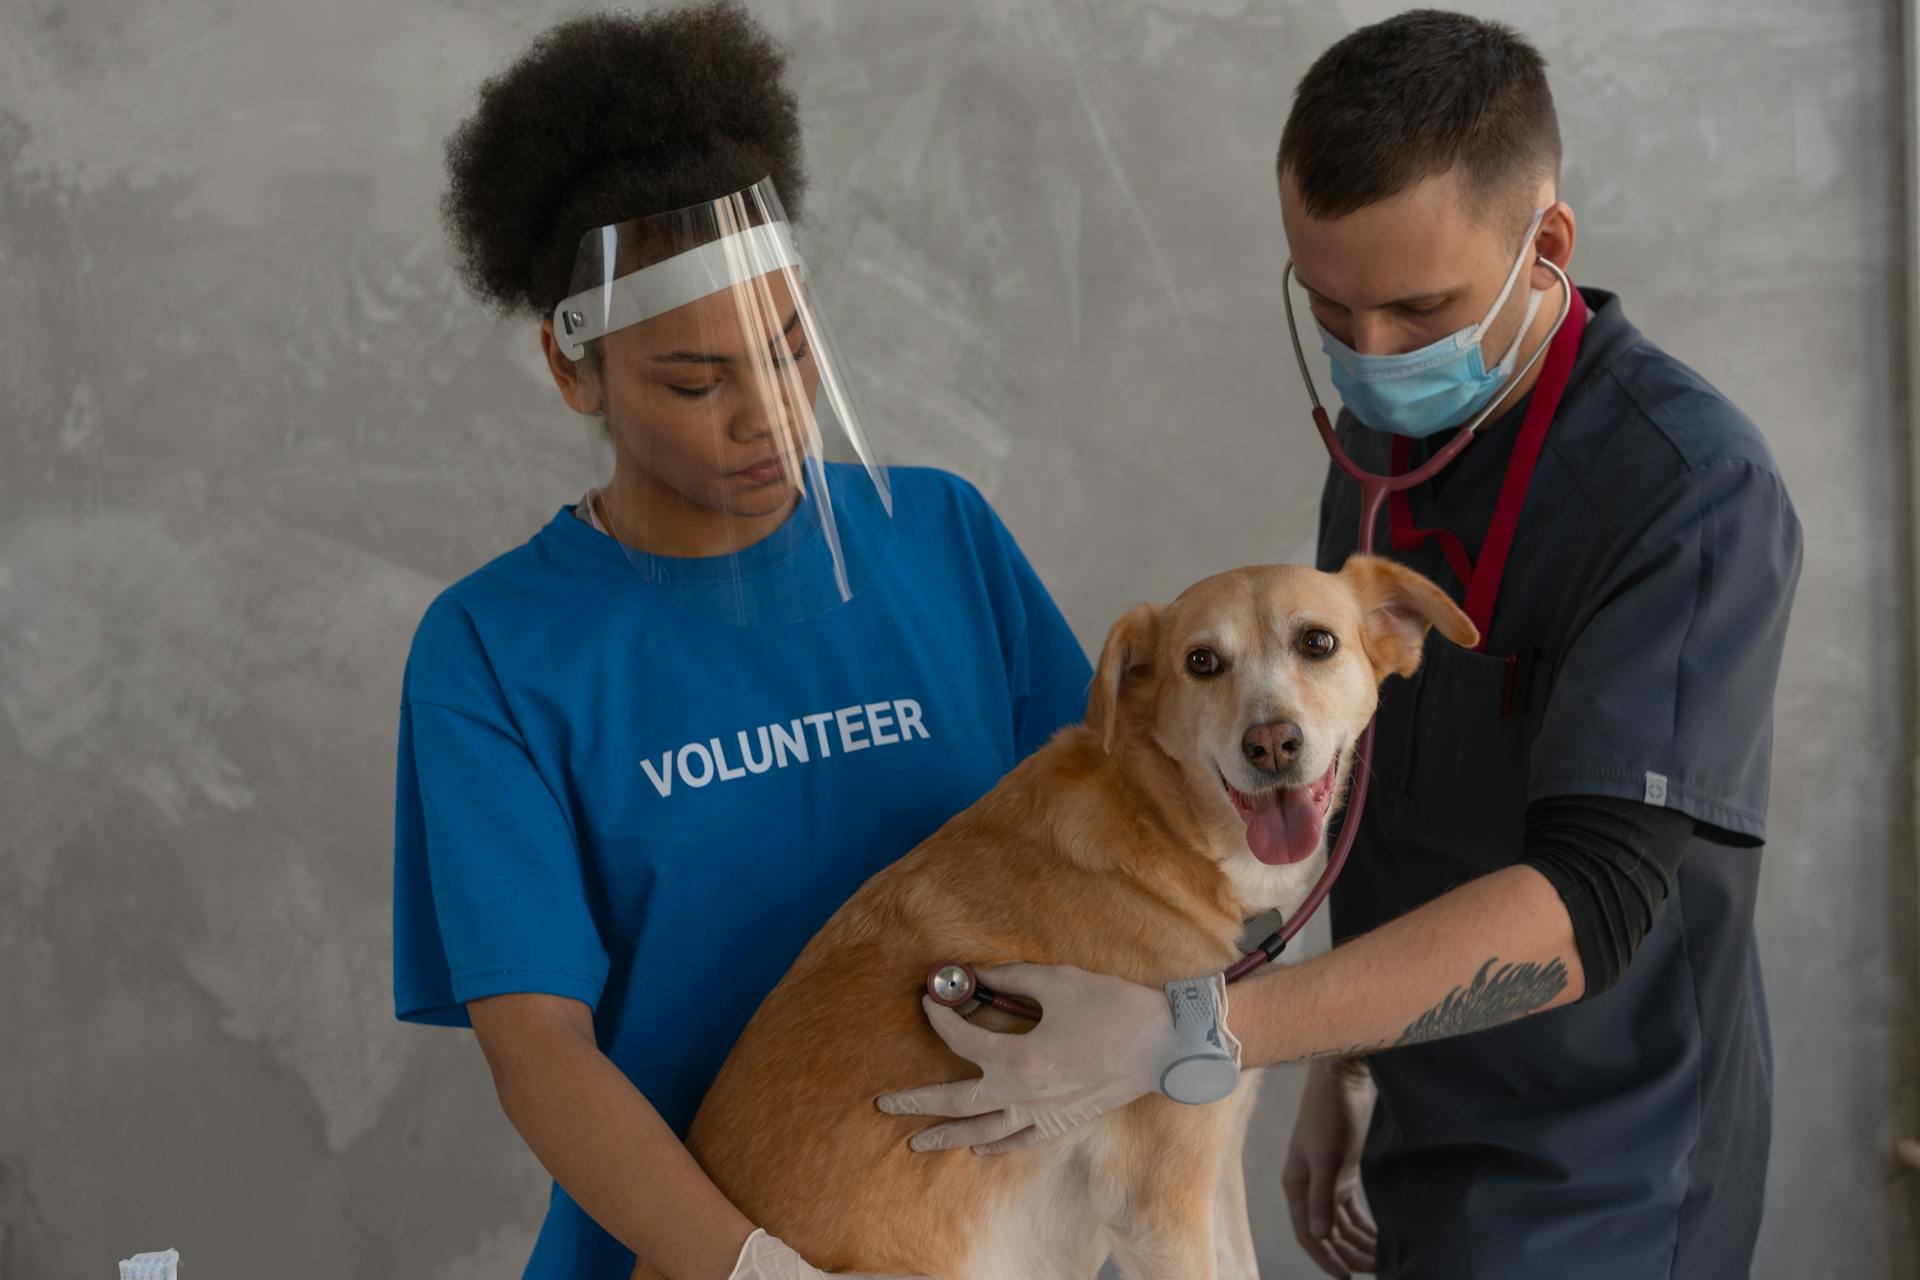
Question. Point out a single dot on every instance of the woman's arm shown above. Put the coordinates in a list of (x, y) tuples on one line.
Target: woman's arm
[(602, 1140)]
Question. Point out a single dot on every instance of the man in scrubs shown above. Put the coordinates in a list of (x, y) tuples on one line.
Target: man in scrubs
[(1546, 963)]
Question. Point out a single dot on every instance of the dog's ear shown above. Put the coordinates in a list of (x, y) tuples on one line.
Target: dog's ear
[(1127, 656), (1397, 606)]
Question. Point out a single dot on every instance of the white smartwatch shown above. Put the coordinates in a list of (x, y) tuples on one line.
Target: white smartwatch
[(1205, 1063)]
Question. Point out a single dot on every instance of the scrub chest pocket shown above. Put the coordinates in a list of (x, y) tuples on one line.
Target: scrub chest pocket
[(1469, 724)]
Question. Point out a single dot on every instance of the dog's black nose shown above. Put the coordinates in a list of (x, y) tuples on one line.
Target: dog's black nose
[(1273, 747)]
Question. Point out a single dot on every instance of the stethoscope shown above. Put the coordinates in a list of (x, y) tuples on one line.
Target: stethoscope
[(953, 984)]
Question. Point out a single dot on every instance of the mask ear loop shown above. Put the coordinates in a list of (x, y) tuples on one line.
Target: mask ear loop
[(1533, 305), (1526, 243), (1513, 349)]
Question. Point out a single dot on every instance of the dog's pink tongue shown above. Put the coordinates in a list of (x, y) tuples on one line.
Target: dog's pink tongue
[(1282, 826)]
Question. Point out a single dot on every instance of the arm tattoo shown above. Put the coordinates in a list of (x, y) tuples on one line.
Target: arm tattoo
[(1513, 991)]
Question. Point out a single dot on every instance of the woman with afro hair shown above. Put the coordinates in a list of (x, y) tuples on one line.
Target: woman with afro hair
[(600, 782)]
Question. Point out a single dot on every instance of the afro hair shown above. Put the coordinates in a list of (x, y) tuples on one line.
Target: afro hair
[(607, 118)]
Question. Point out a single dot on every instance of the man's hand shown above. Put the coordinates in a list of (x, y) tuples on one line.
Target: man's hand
[(1322, 1176), (1102, 1042)]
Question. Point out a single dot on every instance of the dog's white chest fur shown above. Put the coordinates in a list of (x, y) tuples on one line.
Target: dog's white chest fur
[(1053, 1230), (1266, 888)]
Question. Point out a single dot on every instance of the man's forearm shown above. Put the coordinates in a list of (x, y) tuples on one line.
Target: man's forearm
[(1494, 949)]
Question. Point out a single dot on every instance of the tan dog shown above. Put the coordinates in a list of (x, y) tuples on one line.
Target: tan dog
[(1219, 734)]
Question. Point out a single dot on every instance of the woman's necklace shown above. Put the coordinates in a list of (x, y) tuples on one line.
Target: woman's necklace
[(596, 513)]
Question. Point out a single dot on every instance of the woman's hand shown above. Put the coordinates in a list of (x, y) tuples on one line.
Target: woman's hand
[(1322, 1175), (765, 1258)]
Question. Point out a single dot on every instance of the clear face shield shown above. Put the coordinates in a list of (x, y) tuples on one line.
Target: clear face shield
[(733, 471)]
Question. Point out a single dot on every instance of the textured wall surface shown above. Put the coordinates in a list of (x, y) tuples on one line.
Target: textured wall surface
[(249, 426)]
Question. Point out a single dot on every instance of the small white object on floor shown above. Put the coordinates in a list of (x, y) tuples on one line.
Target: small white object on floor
[(151, 1266)]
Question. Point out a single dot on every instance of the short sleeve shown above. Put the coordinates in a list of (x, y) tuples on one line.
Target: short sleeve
[(1047, 670), (489, 895), (1665, 693)]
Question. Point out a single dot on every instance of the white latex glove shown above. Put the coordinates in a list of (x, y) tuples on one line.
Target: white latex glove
[(1322, 1176), (1102, 1043), (763, 1257)]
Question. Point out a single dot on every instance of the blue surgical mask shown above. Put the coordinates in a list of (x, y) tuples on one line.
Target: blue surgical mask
[(1444, 383)]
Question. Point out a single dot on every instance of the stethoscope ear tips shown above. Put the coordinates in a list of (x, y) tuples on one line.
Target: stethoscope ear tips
[(951, 985)]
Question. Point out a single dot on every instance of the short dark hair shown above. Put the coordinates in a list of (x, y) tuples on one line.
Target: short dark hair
[(607, 118), (1414, 96)]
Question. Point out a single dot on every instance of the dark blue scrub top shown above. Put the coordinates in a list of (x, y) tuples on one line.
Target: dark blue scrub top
[(1646, 598)]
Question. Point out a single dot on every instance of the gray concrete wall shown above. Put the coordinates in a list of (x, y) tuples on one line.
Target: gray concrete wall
[(250, 426)]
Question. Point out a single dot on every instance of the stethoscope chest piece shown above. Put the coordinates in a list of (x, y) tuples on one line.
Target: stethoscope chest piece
[(951, 985)]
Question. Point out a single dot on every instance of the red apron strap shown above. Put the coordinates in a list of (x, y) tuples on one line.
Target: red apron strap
[(1482, 579), (1484, 587)]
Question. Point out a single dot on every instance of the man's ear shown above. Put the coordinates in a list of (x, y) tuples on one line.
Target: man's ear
[(1126, 658), (1397, 606)]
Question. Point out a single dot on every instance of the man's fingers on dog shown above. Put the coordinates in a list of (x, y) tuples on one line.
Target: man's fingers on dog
[(966, 1133), (1026, 1137), (958, 1098), (975, 1044)]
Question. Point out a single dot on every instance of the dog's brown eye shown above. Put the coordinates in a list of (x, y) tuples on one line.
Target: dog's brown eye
[(1318, 644), (1203, 662)]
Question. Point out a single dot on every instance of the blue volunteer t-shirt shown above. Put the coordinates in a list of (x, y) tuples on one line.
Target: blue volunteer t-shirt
[(607, 796)]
